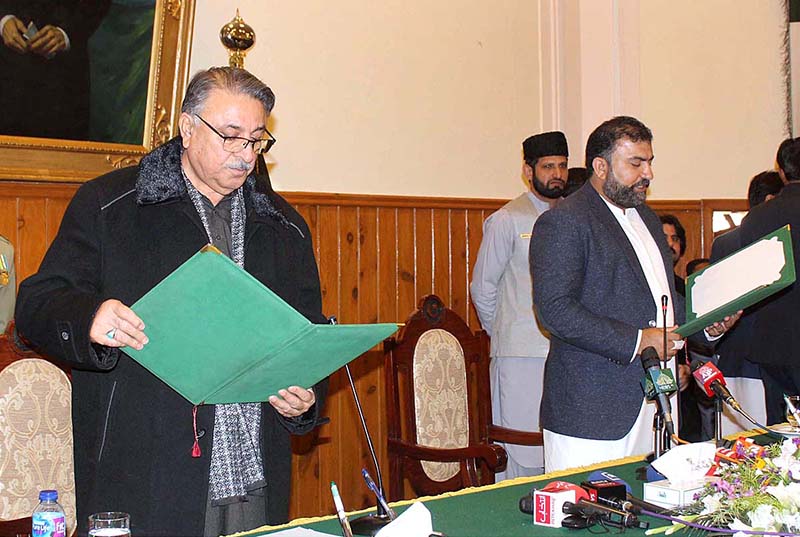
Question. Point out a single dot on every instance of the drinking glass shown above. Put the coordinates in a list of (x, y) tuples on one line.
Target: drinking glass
[(795, 399), (109, 524)]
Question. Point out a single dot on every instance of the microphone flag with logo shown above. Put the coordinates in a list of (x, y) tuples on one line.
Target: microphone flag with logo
[(661, 385)]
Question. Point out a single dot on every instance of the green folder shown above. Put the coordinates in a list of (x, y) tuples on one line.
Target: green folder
[(218, 335), (733, 264)]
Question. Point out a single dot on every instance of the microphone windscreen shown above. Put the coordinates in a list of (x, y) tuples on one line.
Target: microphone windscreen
[(705, 374), (650, 358)]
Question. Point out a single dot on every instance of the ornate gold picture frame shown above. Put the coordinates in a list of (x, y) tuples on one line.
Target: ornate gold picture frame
[(44, 159)]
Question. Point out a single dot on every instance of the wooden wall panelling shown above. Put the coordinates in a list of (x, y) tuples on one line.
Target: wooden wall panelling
[(30, 214), (387, 309), (350, 431), (441, 266), (406, 263), (458, 279), (423, 257), (370, 365), (474, 232), (331, 452)]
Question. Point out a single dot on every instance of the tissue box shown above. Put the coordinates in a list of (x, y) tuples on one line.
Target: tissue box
[(665, 494), (548, 507)]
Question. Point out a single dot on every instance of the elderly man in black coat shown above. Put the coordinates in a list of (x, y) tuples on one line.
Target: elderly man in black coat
[(124, 232)]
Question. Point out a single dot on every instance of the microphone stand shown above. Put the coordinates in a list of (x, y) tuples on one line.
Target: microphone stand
[(718, 441), (372, 523), (666, 441), (658, 435)]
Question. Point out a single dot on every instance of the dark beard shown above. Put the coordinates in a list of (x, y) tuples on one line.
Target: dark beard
[(544, 191), (624, 196)]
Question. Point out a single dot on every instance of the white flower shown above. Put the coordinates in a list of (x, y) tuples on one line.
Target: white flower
[(712, 503), (787, 461), (791, 521), (740, 527), (763, 518), (788, 495)]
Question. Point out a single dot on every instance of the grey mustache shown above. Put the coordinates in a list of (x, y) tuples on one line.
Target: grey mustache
[(241, 166)]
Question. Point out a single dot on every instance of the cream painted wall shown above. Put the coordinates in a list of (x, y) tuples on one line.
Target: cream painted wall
[(434, 98), (391, 97), (711, 90)]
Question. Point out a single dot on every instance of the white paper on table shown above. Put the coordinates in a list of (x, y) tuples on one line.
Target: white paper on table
[(413, 522), (757, 265), (301, 532), (686, 463)]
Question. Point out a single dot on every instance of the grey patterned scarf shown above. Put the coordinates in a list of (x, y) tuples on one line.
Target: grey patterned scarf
[(236, 465)]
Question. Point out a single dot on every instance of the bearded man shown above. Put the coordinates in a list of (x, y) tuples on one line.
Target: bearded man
[(501, 291), (600, 265)]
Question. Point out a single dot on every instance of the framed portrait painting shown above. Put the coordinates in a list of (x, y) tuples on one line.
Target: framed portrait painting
[(90, 85)]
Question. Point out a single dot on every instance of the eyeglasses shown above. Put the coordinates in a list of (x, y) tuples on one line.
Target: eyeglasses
[(235, 144)]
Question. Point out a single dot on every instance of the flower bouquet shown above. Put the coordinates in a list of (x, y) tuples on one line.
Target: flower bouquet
[(758, 494)]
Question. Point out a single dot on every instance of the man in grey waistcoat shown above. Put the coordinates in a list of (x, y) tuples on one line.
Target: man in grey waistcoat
[(8, 284), (502, 292)]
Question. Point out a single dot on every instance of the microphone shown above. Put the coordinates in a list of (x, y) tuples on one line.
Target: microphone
[(654, 373), (711, 380), (367, 524), (527, 504), (628, 502), (609, 515)]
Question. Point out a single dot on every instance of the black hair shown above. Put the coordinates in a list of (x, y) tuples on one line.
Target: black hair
[(603, 140), (673, 221), (691, 266), (762, 185)]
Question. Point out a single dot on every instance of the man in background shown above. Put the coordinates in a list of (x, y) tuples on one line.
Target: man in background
[(741, 352), (8, 283), (576, 178), (676, 240), (501, 291)]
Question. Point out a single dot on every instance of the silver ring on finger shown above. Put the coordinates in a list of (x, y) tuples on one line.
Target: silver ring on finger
[(111, 333)]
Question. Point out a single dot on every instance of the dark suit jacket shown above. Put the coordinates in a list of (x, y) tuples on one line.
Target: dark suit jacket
[(592, 295), (734, 347), (776, 324)]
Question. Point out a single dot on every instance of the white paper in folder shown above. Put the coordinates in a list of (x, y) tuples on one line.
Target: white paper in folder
[(758, 265)]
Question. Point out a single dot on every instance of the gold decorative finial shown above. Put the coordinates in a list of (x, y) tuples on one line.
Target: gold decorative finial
[(238, 37)]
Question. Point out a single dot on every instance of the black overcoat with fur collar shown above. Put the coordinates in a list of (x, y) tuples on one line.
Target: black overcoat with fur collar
[(121, 234)]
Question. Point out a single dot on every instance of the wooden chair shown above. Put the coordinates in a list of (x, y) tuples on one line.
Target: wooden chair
[(35, 436), (440, 432)]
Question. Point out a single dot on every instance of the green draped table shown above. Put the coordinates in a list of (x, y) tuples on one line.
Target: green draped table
[(492, 510)]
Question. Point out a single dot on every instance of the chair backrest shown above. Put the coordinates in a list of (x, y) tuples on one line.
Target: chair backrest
[(437, 383), (440, 398), (35, 433)]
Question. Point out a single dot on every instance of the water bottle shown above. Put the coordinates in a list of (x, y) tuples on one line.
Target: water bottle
[(48, 517)]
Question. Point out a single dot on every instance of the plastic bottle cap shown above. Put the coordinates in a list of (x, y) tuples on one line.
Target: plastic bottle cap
[(48, 496)]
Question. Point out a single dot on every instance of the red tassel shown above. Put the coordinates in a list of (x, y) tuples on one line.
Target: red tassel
[(196, 446)]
